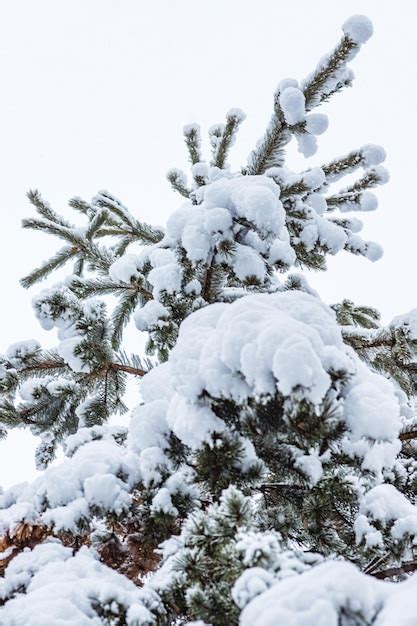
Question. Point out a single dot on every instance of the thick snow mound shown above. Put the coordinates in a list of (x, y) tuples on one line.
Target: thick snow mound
[(321, 596), (48, 586), (66, 493), (384, 507), (259, 346)]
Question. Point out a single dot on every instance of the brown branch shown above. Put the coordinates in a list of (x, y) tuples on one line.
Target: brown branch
[(126, 368), (50, 365), (47, 365), (411, 434), (206, 291), (405, 568)]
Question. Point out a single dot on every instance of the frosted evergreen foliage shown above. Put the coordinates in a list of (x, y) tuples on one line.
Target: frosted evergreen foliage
[(269, 473)]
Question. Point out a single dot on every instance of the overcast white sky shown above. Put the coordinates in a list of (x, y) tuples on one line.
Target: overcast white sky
[(95, 94)]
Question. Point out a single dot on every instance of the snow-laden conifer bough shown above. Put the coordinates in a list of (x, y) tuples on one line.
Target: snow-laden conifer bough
[(268, 478)]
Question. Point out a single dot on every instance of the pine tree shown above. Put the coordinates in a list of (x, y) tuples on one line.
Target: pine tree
[(270, 473)]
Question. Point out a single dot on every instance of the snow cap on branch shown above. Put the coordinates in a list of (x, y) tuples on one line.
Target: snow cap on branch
[(358, 28)]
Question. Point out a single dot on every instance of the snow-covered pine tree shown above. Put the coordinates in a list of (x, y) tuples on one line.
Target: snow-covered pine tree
[(269, 474)]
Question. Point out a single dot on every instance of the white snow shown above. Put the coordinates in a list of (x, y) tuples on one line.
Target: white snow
[(373, 251), (162, 502), (250, 584), (320, 596), (68, 350), (200, 169), (192, 424), (255, 347), (368, 201), (49, 585), (358, 28), (382, 174), (384, 506), (311, 466), (246, 263), (373, 399), (307, 144), (292, 102), (238, 114), (161, 256), (165, 278), (150, 314), (20, 350), (126, 268), (314, 178), (64, 493), (287, 82), (408, 323), (372, 154), (217, 220), (281, 252), (317, 123), (192, 127)]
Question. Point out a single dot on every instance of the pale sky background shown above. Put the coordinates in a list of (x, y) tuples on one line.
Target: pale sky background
[(95, 93)]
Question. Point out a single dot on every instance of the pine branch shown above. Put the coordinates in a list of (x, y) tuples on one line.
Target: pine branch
[(298, 188), (97, 221), (344, 201), (87, 287), (54, 364), (329, 74), (121, 247), (372, 178), (48, 363), (178, 182), (120, 367), (55, 262), (362, 341), (125, 221), (342, 166), (122, 314), (404, 568), (80, 205), (78, 267), (407, 436), (315, 84), (193, 142), (233, 120), (44, 209), (104, 199), (63, 232), (99, 258), (133, 361), (269, 152)]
